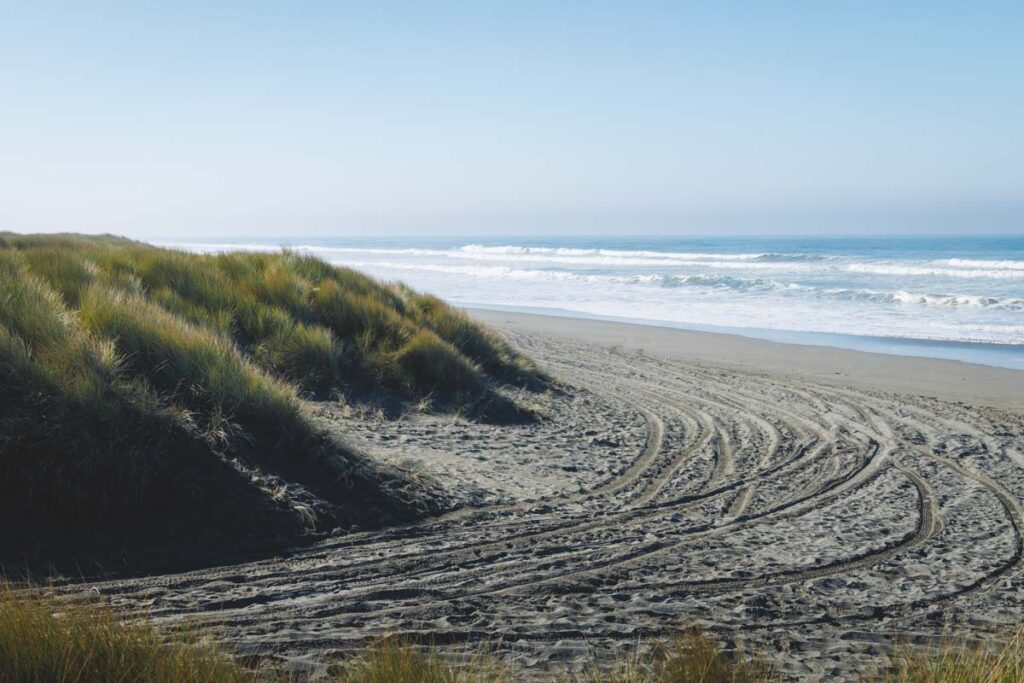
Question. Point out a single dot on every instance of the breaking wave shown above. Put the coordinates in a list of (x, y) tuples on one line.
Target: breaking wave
[(901, 289)]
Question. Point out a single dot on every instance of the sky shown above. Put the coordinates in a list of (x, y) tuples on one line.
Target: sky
[(258, 119)]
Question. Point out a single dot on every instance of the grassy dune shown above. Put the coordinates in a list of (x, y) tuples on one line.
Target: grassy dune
[(145, 392)]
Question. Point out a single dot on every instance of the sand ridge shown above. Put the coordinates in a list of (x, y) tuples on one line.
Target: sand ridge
[(807, 520)]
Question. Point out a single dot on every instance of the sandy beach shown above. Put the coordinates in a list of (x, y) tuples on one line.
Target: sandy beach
[(806, 503)]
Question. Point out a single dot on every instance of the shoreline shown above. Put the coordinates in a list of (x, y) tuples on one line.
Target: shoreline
[(951, 380), (828, 292), (991, 354)]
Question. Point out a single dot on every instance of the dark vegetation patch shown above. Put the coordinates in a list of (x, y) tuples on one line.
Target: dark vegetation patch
[(150, 399)]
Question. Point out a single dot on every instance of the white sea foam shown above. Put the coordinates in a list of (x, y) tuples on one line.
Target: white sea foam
[(887, 292), (618, 253), (1004, 264), (720, 282), (914, 270)]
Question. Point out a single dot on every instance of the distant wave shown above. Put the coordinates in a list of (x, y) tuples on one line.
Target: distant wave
[(791, 258), (207, 247), (718, 282), (569, 257), (511, 273), (980, 263), (552, 255), (778, 262), (903, 269), (769, 261), (617, 253), (685, 256), (899, 291), (563, 255), (931, 300), (486, 272)]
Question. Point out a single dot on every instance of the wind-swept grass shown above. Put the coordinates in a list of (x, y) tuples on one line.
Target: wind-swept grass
[(689, 657), (295, 316), (190, 364), (430, 362), (48, 638), (996, 660), (395, 661), (60, 642), (68, 426), (488, 350), (140, 384), (92, 458)]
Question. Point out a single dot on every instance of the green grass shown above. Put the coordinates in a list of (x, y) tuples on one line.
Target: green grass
[(53, 641), (65, 414), (295, 316), (190, 365), (492, 353), (140, 388)]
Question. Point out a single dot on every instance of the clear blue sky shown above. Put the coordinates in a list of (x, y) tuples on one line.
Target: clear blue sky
[(291, 118)]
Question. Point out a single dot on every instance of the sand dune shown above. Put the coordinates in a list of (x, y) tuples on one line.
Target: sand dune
[(806, 503)]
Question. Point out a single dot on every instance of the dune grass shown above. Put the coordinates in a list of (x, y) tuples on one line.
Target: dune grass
[(296, 317), (139, 383), (694, 657), (999, 660), (57, 382), (688, 657), (189, 364), (392, 661), (62, 642), (113, 436), (48, 638)]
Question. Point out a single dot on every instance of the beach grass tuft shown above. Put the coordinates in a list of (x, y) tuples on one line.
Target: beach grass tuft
[(48, 639), (692, 656), (396, 661), (998, 660)]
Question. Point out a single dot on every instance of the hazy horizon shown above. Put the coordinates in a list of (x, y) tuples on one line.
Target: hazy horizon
[(190, 121)]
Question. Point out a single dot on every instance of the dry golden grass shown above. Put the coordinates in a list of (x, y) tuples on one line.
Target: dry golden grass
[(46, 638), (690, 657), (997, 660), (397, 662)]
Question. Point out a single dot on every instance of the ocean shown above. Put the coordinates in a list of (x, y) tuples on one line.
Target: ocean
[(960, 298)]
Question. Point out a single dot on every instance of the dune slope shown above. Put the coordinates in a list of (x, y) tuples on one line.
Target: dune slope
[(154, 402)]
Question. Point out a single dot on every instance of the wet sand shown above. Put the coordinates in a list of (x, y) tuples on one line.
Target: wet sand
[(803, 502), (947, 379)]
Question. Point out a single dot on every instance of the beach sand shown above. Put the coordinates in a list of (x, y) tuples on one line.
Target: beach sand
[(805, 503)]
